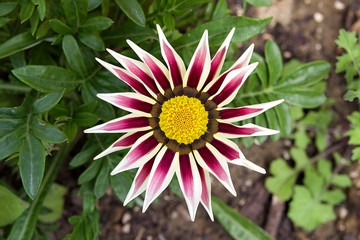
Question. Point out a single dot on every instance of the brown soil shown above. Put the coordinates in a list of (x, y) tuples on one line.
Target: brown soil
[(306, 30)]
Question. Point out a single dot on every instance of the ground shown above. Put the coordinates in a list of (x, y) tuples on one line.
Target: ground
[(305, 30)]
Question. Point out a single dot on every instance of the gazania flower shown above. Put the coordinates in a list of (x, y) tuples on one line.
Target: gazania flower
[(178, 123)]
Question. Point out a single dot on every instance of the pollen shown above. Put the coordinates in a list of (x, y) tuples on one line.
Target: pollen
[(183, 119)]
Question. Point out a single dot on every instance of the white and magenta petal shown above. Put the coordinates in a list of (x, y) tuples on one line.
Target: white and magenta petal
[(174, 62), (124, 142), (199, 66), (231, 85), (206, 191), (218, 60), (211, 160), (139, 69), (242, 113), (128, 123), (227, 148), (157, 68), (126, 76), (141, 152), (228, 130), (248, 164), (131, 102), (140, 181), (189, 181), (243, 61), (166, 162)]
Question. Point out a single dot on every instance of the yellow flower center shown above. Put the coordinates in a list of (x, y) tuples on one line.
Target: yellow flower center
[(183, 119)]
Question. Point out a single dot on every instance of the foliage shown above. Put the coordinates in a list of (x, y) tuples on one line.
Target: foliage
[(349, 62), (354, 134), (312, 186)]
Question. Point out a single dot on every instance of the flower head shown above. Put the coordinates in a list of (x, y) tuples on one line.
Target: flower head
[(178, 123)]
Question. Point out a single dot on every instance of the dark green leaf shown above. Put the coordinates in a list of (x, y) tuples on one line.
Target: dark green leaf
[(4, 21), (31, 165), (238, 226), (92, 40), (86, 226), (96, 24), (70, 129), (133, 10), (42, 9), (86, 119), (47, 78), (47, 102), (59, 26), (245, 28), (73, 55), (274, 60), (17, 43), (102, 181), (11, 142), (169, 20), (221, 10), (47, 132), (121, 184), (75, 11), (34, 22), (11, 206), (42, 30), (259, 3), (7, 7), (92, 4), (83, 157), (90, 173), (26, 11)]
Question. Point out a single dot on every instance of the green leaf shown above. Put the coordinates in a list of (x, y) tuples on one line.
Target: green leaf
[(121, 183), (26, 11), (333, 197), (97, 23), (245, 28), (11, 206), (274, 60), (341, 180), (92, 4), (325, 169), (75, 11), (42, 9), (238, 226), (70, 129), (90, 173), (314, 182), (73, 55), (133, 11), (47, 78), (84, 156), (47, 132), (54, 202), (11, 142), (282, 181), (102, 180), (92, 40), (24, 226), (47, 102), (86, 226), (169, 20), (7, 7), (18, 43), (221, 10), (4, 21), (31, 165), (86, 119), (59, 26), (307, 212), (351, 95)]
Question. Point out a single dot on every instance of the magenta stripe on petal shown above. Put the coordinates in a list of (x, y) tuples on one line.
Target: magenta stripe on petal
[(237, 112), (139, 151), (236, 130), (197, 68), (129, 140), (217, 84), (143, 76), (157, 72), (132, 82), (215, 64), (213, 163), (160, 172), (187, 176), (173, 65), (144, 174), (205, 197), (127, 123), (132, 103), (229, 88), (225, 149)]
